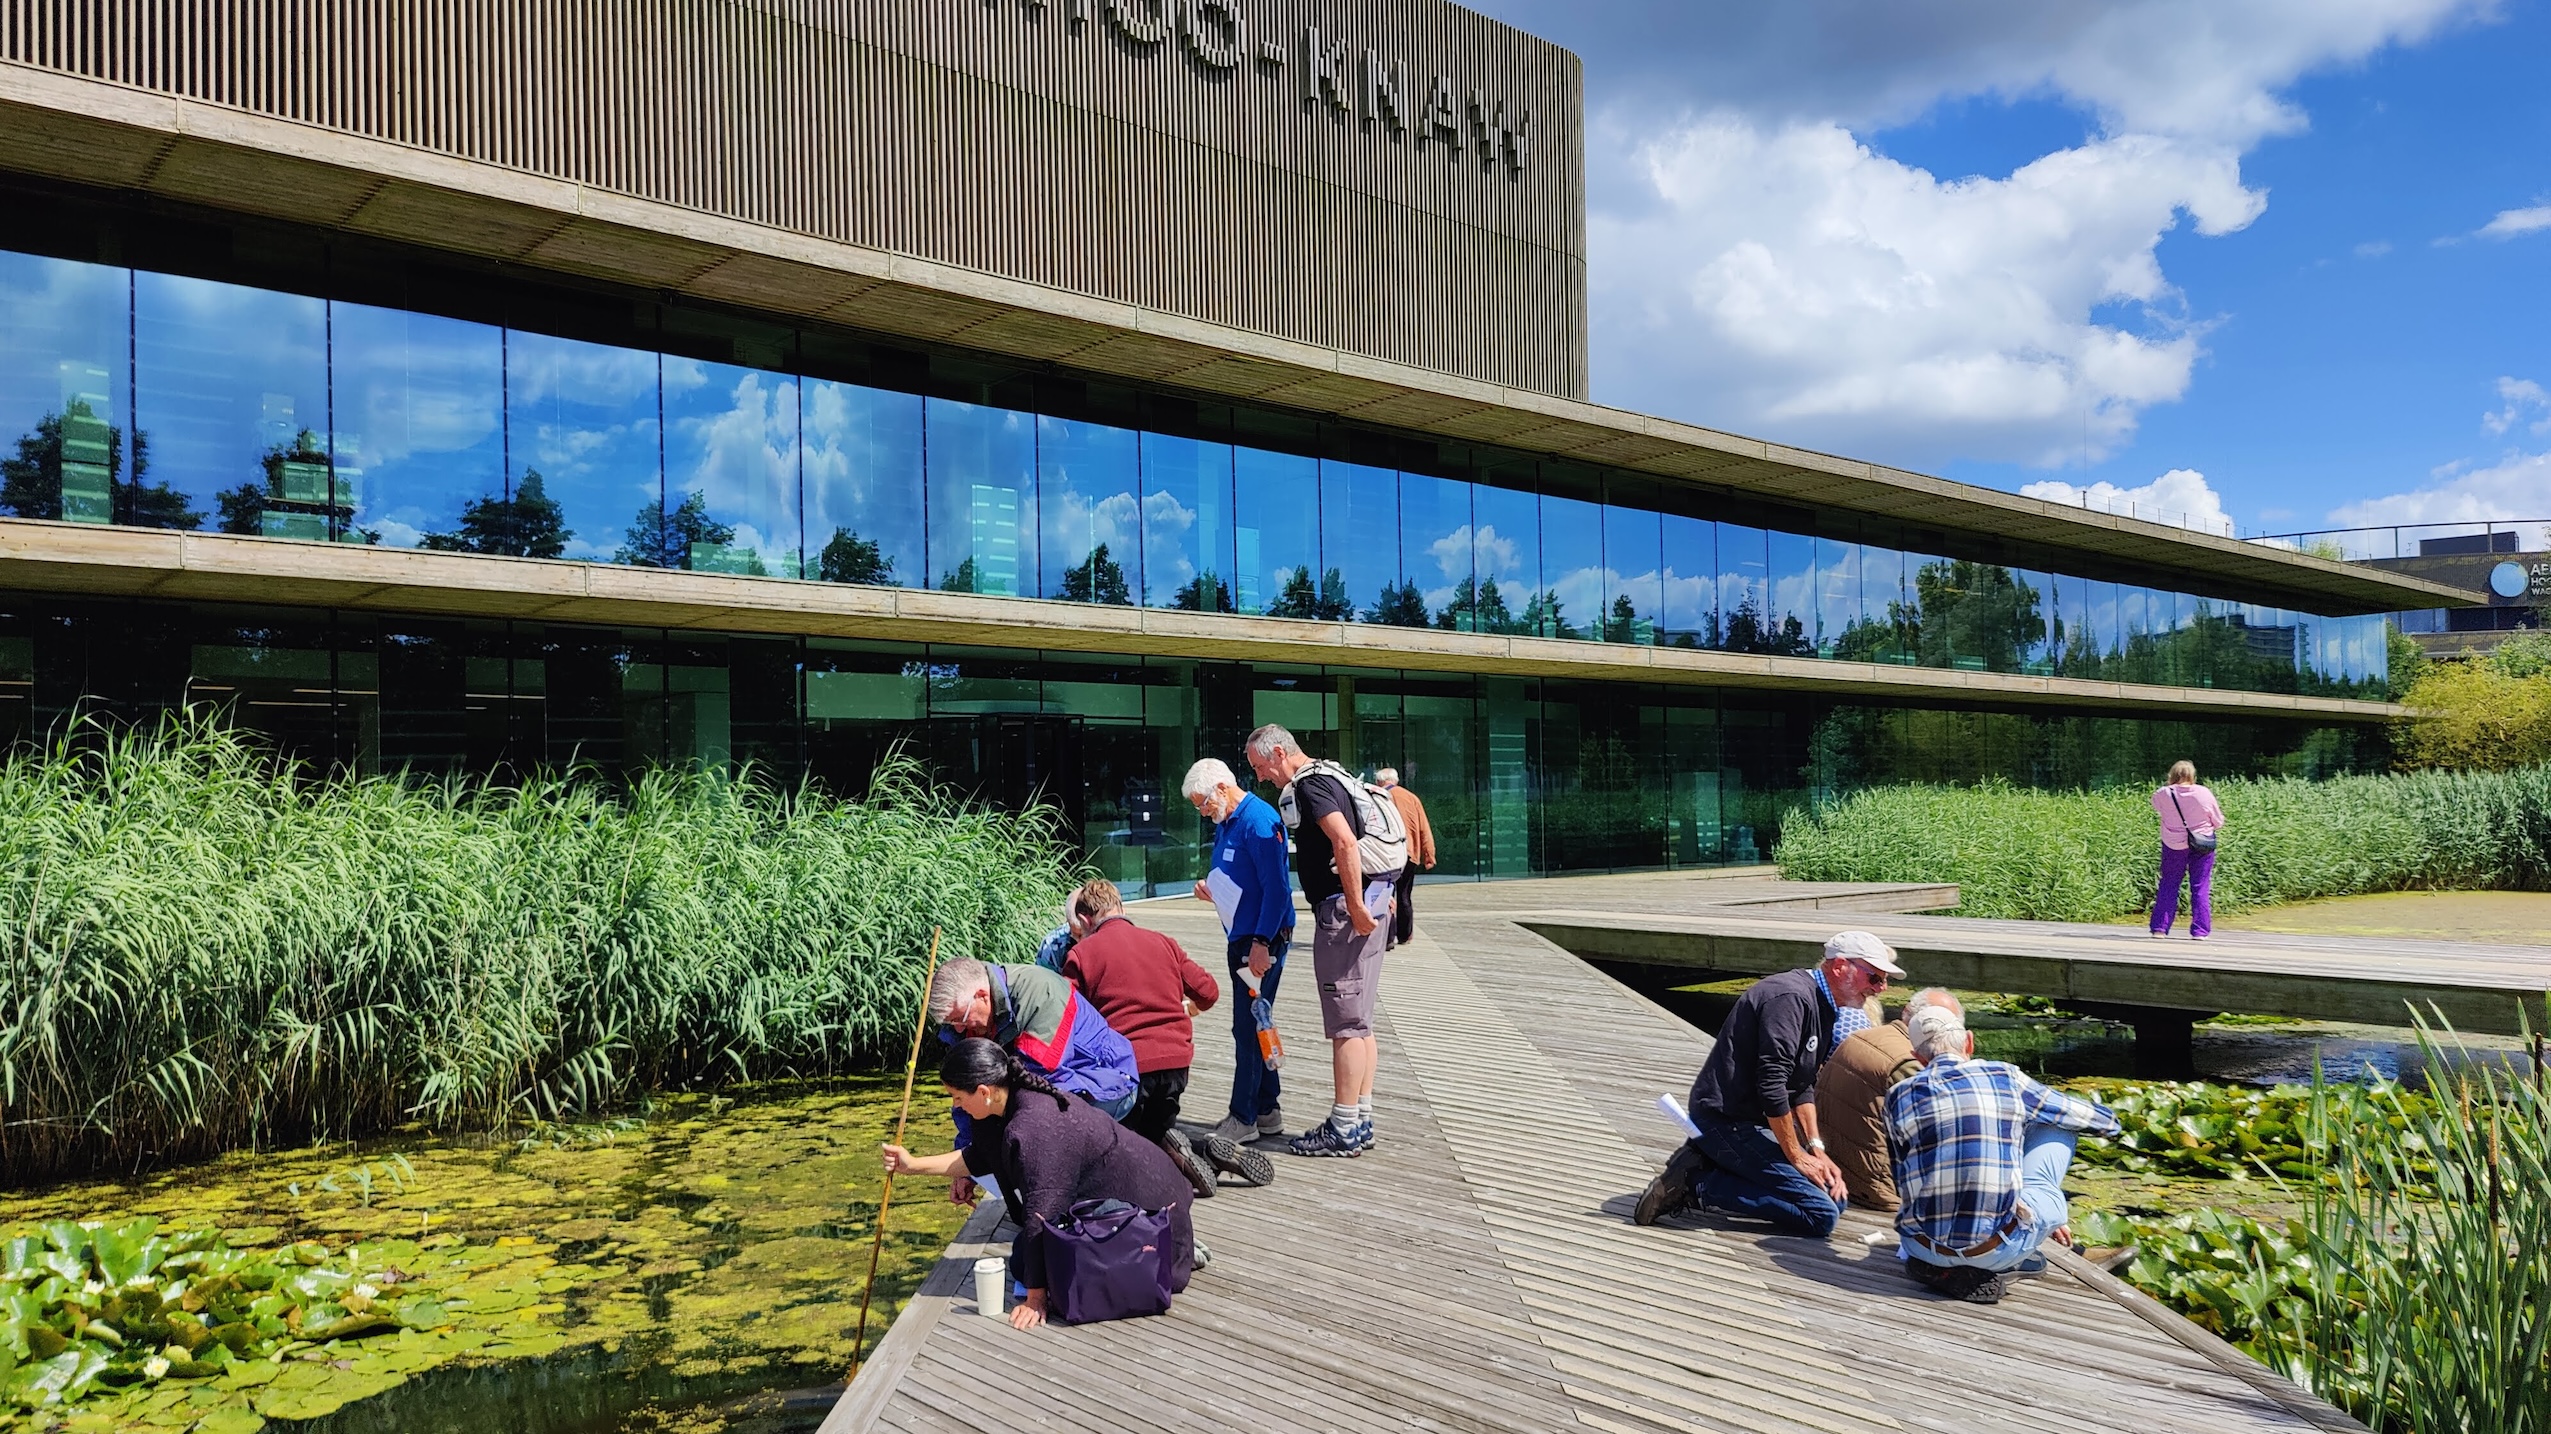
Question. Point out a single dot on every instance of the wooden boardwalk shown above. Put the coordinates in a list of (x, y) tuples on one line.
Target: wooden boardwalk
[(1478, 1271)]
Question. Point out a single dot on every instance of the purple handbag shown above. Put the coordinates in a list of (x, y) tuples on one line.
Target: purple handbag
[(1107, 1260)]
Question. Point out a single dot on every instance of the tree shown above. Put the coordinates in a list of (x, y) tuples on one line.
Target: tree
[(1477, 606), (2476, 716), (1977, 611), (31, 479), (1204, 592), (850, 558), (966, 579), (661, 539), (1623, 624), (1400, 605), (1542, 617), (1747, 631), (1100, 580), (1326, 603), (527, 525)]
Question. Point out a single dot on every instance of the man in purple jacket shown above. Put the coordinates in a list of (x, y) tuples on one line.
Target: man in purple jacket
[(1035, 1014)]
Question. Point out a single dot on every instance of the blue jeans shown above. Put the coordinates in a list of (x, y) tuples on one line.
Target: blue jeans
[(1749, 1176), (2046, 1152), (1255, 1090)]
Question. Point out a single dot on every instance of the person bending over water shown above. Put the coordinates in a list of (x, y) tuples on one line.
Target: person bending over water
[(1049, 1150)]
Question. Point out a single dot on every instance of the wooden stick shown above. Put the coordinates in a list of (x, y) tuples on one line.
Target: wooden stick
[(911, 1065)]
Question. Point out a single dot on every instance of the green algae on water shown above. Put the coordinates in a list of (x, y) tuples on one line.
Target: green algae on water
[(615, 1276)]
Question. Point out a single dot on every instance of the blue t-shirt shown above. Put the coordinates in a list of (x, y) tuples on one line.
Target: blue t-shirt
[(1249, 849)]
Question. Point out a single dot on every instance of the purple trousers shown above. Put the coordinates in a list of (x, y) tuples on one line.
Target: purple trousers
[(2197, 869)]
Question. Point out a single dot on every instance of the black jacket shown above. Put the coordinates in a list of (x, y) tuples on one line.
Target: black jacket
[(1768, 1052)]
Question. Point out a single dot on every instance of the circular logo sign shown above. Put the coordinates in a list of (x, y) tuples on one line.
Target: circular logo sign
[(2507, 580)]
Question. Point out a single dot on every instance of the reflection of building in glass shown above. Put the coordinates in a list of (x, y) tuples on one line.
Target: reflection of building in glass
[(88, 471)]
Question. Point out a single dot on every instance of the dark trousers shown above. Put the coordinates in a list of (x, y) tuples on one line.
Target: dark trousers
[(1403, 910), (1155, 1109), (1749, 1176), (1255, 1090)]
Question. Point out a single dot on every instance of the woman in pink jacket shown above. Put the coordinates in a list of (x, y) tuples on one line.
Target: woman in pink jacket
[(2191, 819)]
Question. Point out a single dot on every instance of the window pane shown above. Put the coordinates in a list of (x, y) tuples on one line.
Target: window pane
[(982, 499), (1792, 624), (420, 441), (1435, 548), (730, 471), (1837, 593), (1093, 533), (1634, 577), (1275, 503), (863, 484), (1570, 603), (1748, 618), (65, 334), (1884, 611), (1506, 550), (1359, 541), (231, 386), (584, 422), (1690, 602), (1186, 524)]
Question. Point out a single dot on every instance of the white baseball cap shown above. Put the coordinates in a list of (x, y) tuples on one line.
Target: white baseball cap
[(1861, 946)]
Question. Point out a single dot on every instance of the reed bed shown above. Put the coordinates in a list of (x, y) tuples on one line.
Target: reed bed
[(2095, 856), (213, 950)]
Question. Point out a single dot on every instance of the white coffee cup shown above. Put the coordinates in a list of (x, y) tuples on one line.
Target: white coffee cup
[(991, 1274)]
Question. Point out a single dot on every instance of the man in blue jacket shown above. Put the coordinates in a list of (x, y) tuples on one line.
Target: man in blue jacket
[(1251, 886)]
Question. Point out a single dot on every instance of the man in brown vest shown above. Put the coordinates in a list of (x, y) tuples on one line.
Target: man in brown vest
[(1421, 852), (1851, 1100)]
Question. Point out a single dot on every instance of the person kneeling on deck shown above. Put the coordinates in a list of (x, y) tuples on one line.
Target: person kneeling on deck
[(1980, 1152), (1851, 1100), (1036, 1015), (1758, 1152), (1050, 1150)]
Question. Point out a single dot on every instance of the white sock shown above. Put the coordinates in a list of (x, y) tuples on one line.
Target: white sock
[(1343, 1117), (1364, 1110)]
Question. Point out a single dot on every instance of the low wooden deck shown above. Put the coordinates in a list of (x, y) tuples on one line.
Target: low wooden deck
[(1478, 1271)]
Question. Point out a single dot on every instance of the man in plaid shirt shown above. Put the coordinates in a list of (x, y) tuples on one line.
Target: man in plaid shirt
[(1980, 1152)]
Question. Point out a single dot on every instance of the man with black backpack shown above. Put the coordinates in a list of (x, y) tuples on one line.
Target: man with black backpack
[(1349, 845)]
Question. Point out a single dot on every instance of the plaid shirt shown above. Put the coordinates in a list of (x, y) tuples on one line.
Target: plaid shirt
[(1954, 1131)]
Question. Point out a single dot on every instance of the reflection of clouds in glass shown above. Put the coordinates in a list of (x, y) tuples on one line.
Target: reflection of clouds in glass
[(397, 534), (684, 375), (743, 456), (1499, 557), (563, 371), (1580, 594), (1688, 600), (1167, 568), (54, 311), (1795, 593)]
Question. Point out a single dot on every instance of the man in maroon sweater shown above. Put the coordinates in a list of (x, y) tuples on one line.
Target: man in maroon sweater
[(1149, 991)]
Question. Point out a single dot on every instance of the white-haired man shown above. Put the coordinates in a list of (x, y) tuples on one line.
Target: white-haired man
[(1980, 1155), (1252, 892), (1851, 1100), (1758, 1152)]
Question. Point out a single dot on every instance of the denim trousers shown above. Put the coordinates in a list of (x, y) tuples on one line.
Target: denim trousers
[(1255, 1090), (1749, 1176), (2197, 869), (2046, 1152)]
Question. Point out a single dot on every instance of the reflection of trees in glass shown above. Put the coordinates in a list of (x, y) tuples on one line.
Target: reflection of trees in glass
[(1544, 617), (1623, 625), (967, 578), (31, 481), (1747, 631), (1868, 639), (1400, 605), (1974, 615), (296, 497), (1205, 592), (850, 558), (1327, 603), (528, 525), (1477, 606), (661, 539), (1100, 580)]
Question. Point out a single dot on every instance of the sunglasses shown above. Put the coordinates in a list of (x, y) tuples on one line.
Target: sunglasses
[(1877, 979)]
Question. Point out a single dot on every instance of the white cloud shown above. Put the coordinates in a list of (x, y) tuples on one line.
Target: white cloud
[(2181, 497), (1758, 265), (2373, 248), (2513, 222), (2517, 487), (2522, 396)]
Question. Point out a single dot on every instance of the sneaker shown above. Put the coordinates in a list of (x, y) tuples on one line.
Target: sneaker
[(1960, 1282), (1674, 1187), (1326, 1139), (1191, 1165), (1235, 1130), (1203, 1257), (1235, 1159), (1271, 1123)]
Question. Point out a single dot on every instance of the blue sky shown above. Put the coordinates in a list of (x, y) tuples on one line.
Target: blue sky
[(2270, 262)]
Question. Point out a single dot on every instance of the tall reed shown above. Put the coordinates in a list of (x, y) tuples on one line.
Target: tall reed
[(2091, 856), (209, 949), (2426, 1303)]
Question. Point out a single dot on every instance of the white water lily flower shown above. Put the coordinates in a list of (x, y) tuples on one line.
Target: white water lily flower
[(155, 1367), (94, 1287), (367, 1291)]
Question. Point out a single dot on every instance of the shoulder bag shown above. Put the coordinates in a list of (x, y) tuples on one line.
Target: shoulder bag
[(2199, 838), (1107, 1260)]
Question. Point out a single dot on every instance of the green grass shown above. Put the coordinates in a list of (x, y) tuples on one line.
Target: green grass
[(213, 951), (2095, 856)]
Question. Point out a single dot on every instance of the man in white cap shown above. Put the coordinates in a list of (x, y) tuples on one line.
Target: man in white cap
[(1758, 1152)]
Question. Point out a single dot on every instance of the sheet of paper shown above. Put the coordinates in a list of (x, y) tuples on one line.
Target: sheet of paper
[(1226, 896), (1674, 1112)]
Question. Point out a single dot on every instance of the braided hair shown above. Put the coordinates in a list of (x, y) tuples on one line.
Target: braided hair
[(975, 1062)]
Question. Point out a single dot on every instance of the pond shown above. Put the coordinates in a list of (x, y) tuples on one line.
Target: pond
[(694, 1265)]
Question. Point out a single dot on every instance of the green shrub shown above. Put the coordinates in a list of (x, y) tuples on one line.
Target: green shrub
[(2094, 856), (212, 950)]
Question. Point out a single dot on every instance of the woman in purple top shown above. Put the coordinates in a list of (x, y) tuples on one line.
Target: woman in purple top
[(2186, 808)]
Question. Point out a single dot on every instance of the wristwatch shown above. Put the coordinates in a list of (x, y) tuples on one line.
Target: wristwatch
[(1816, 1144)]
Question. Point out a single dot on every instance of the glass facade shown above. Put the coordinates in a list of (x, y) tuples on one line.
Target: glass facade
[(135, 397), (1519, 776)]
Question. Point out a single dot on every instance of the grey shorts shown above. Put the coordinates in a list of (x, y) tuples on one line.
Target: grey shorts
[(1347, 966)]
